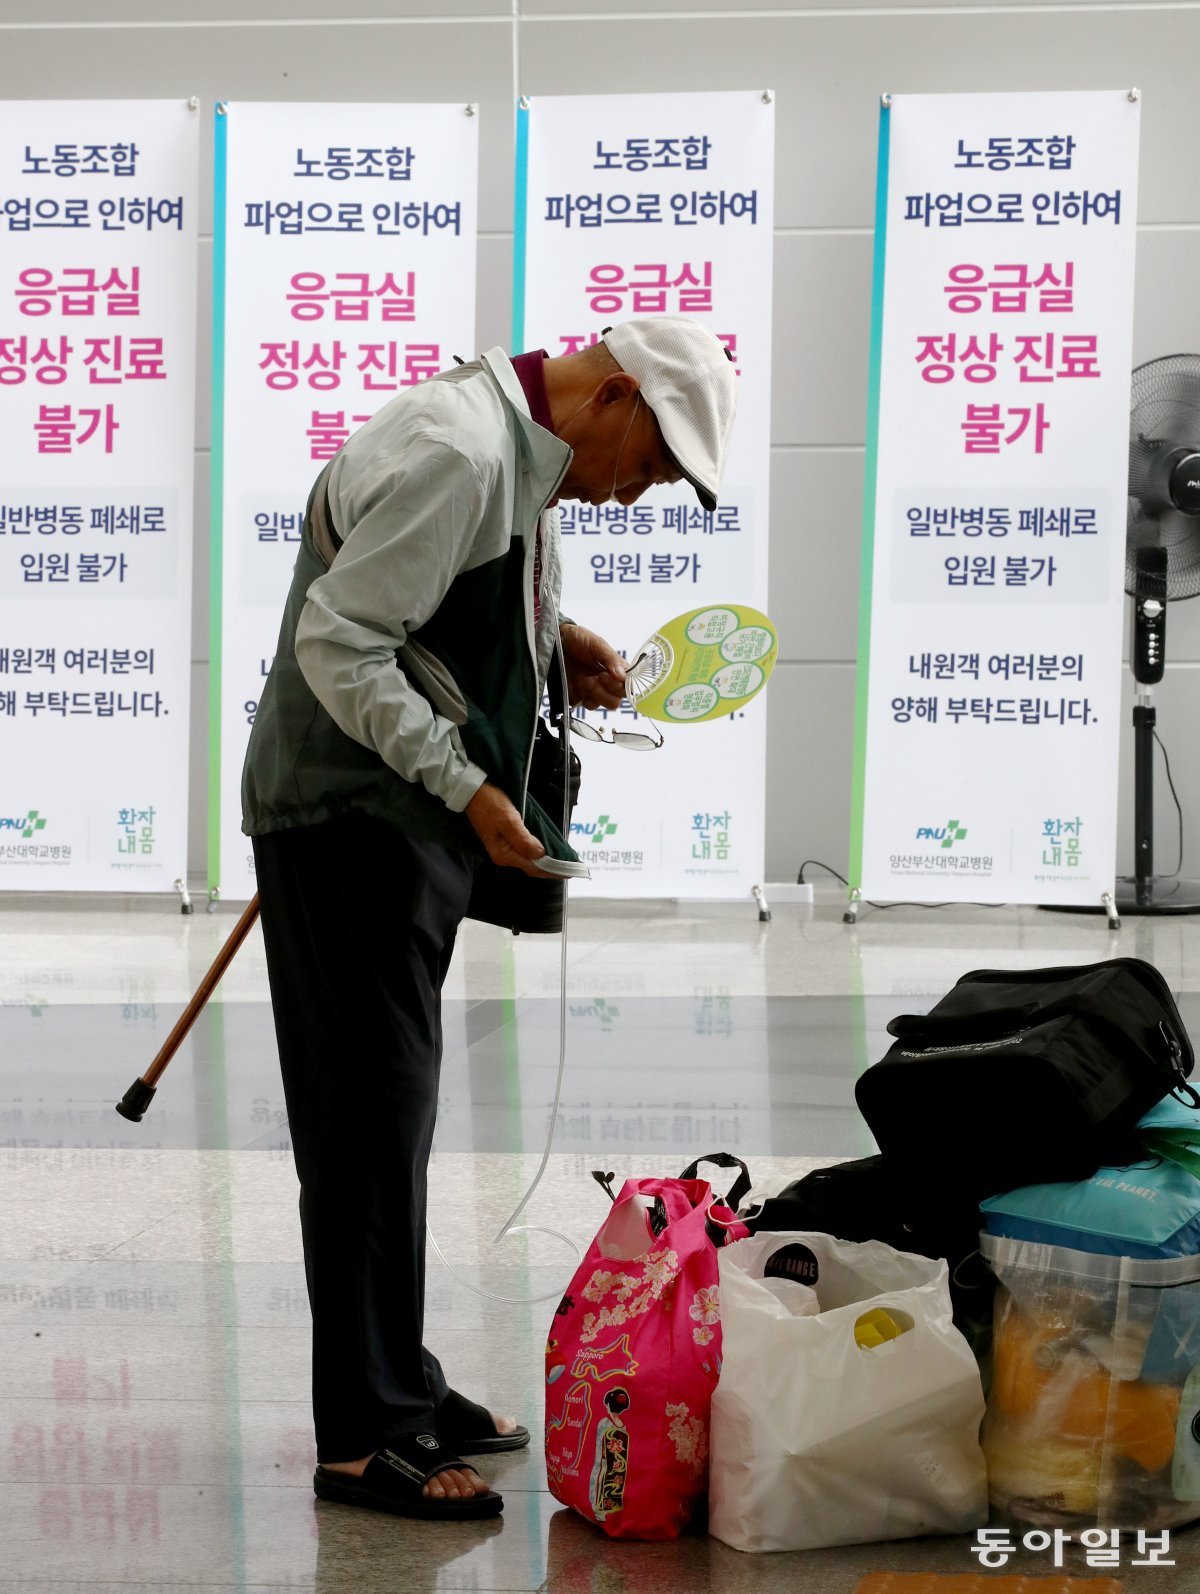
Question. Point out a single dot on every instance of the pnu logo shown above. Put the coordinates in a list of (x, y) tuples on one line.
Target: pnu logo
[(602, 827), (33, 821), (604, 1011), (950, 832)]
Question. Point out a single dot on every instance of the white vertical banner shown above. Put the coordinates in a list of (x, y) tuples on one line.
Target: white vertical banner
[(97, 383), (994, 536), (647, 204), (344, 275)]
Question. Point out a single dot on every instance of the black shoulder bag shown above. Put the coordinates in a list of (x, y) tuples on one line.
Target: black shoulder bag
[(1030, 1076)]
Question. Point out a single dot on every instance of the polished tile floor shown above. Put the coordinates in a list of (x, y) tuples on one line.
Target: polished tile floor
[(153, 1320)]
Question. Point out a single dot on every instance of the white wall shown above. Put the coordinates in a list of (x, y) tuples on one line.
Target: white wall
[(828, 65)]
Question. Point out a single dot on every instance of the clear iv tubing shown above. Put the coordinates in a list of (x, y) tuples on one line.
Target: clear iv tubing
[(511, 1227)]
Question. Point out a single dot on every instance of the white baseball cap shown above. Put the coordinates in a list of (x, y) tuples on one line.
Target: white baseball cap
[(687, 378)]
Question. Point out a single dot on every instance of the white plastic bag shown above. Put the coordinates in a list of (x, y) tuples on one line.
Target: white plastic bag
[(822, 1436)]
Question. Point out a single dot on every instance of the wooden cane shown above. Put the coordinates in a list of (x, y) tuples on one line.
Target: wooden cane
[(138, 1097)]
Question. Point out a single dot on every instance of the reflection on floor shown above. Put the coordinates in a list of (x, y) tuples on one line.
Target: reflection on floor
[(153, 1319)]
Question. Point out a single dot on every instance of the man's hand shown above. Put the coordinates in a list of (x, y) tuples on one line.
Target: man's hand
[(498, 825), (595, 671)]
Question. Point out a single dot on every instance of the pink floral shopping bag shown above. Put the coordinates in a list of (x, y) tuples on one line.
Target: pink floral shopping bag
[(633, 1357)]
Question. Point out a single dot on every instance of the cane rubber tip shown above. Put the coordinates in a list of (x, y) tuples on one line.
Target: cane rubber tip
[(136, 1099)]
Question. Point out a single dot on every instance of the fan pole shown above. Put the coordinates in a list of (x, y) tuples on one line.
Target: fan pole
[(1143, 798), (1140, 892), (1162, 563)]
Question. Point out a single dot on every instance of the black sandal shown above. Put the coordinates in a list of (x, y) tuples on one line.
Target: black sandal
[(394, 1478), (470, 1428)]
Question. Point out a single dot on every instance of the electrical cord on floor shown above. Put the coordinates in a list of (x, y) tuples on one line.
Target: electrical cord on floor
[(512, 1227), (817, 864), (1174, 874), (885, 906)]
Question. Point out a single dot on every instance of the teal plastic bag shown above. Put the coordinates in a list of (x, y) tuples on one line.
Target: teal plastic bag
[(1150, 1209)]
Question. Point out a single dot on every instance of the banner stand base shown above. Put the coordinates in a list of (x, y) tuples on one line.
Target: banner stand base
[(1110, 904), (1161, 895)]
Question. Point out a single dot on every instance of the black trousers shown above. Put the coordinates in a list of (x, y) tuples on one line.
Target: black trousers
[(359, 924)]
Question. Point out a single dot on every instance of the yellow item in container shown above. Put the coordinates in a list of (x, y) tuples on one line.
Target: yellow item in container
[(1060, 1425), (1027, 1462), (1132, 1419), (1018, 1382), (877, 1326)]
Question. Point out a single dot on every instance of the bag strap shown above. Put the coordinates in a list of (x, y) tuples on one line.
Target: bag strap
[(933, 1027), (723, 1159), (670, 1203), (1162, 1143), (723, 1231)]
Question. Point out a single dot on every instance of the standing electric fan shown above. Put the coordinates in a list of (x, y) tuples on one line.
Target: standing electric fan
[(1162, 565)]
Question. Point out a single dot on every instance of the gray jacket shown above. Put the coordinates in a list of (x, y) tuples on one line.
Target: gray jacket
[(409, 670)]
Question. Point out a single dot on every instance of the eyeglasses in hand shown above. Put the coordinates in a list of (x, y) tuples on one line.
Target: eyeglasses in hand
[(636, 741)]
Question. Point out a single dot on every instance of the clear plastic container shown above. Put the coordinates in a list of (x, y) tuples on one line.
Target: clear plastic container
[(1093, 1416)]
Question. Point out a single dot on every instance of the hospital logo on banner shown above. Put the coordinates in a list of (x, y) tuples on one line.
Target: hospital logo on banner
[(1060, 843), (593, 841), (135, 833), (950, 832), (25, 827), (20, 841), (938, 851), (710, 839)]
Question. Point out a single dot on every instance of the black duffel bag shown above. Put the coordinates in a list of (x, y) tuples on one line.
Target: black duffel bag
[(1032, 1076), (864, 1200)]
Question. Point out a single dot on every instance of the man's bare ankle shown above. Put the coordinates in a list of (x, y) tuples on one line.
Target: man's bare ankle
[(354, 1468)]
